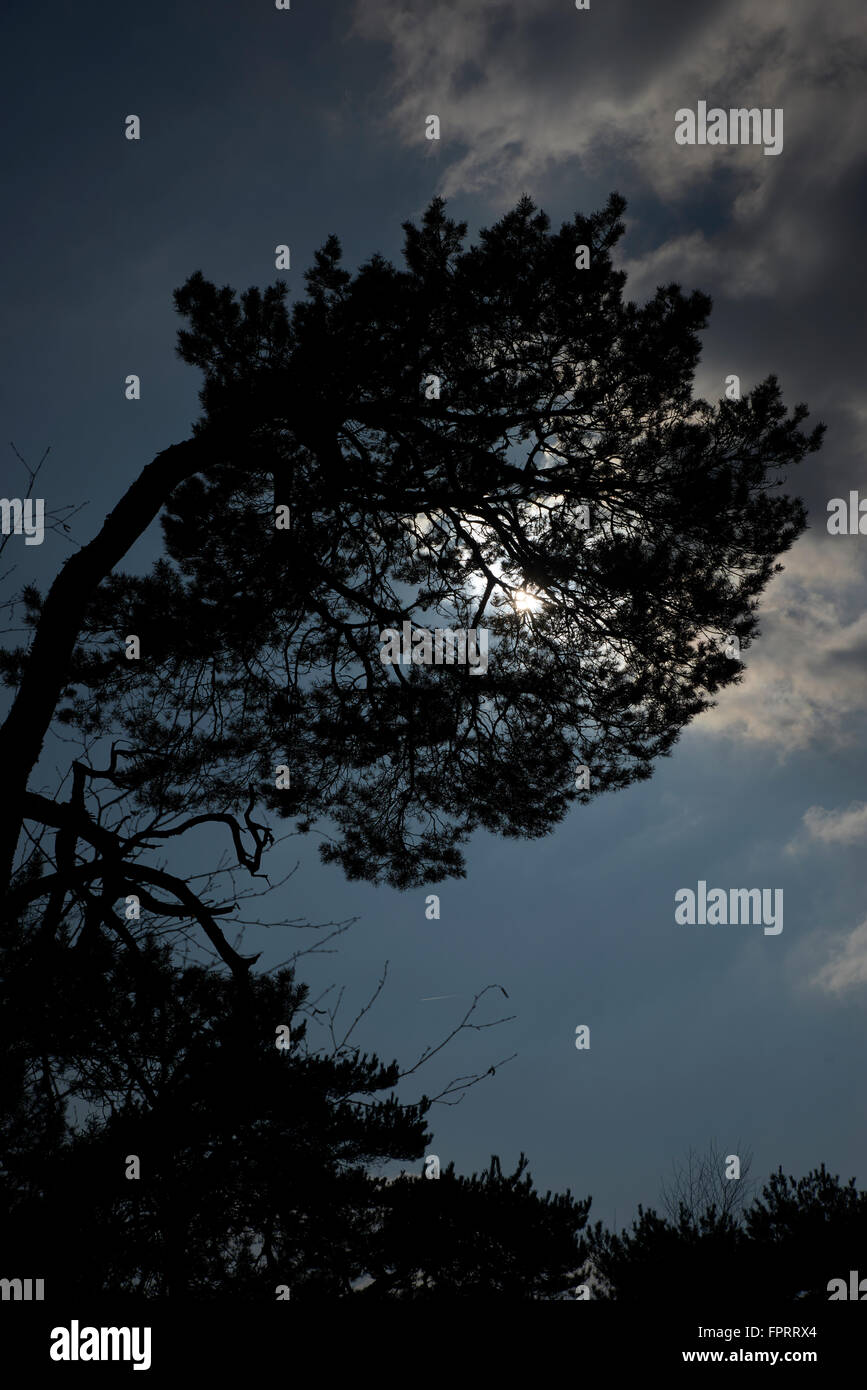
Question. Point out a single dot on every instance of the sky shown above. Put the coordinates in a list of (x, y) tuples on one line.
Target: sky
[(262, 127)]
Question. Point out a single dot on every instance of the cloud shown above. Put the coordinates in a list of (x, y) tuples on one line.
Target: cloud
[(524, 87), (847, 827), (847, 967), (804, 676), (528, 91), (737, 258)]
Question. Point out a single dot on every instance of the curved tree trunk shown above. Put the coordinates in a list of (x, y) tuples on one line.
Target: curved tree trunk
[(24, 730)]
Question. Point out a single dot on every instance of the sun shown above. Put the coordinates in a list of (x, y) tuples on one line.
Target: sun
[(525, 602)]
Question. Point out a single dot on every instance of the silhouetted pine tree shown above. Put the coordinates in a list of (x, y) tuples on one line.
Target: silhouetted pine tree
[(457, 509)]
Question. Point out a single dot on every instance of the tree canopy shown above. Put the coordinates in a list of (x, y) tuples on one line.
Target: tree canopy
[(559, 486), (787, 1245)]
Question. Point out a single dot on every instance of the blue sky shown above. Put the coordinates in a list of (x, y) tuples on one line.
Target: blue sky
[(262, 127)]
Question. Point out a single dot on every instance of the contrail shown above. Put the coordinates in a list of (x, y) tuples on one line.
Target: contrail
[(429, 997)]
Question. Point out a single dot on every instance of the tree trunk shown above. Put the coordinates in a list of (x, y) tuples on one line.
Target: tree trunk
[(24, 730)]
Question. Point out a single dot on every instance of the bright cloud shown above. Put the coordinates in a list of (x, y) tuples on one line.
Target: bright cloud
[(847, 968), (804, 676), (847, 827)]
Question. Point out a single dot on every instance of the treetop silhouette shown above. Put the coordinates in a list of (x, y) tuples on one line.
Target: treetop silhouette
[(563, 490)]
